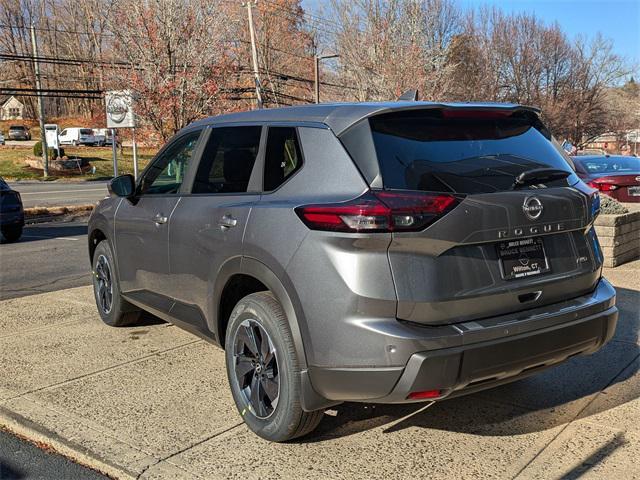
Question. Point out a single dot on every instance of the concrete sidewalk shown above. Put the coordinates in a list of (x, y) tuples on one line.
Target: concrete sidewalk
[(153, 402)]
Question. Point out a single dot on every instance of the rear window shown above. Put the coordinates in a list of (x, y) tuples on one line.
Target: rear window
[(17, 129), (603, 164), (478, 152)]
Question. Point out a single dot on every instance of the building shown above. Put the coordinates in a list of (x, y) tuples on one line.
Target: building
[(11, 109), (624, 143)]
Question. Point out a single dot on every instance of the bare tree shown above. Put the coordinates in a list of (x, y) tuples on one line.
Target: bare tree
[(386, 48), (175, 53)]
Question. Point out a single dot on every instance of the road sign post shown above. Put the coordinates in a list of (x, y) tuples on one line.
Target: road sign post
[(120, 114)]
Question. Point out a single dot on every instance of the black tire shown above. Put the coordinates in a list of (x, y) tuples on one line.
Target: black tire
[(114, 310), (12, 233), (286, 420)]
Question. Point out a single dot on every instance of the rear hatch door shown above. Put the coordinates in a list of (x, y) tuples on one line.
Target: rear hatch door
[(508, 245)]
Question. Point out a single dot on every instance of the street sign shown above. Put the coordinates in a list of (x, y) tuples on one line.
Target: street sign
[(119, 105)]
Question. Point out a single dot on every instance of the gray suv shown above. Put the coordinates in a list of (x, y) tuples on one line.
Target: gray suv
[(369, 252)]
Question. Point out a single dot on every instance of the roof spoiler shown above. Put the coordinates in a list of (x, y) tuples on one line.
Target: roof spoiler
[(409, 96)]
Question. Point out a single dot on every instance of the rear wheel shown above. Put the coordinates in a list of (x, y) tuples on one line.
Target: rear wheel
[(113, 309), (12, 233), (264, 372)]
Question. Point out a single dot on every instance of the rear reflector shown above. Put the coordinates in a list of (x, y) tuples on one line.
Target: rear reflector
[(425, 395), (379, 211)]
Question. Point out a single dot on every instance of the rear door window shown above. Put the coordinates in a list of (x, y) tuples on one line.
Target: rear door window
[(227, 160), (283, 156), (477, 152)]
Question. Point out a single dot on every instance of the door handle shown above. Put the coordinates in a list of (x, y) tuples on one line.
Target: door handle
[(227, 221), (160, 219)]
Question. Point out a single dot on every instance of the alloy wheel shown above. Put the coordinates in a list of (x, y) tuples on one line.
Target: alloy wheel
[(104, 284), (256, 368)]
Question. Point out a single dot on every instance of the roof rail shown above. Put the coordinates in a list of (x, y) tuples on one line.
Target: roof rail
[(409, 96)]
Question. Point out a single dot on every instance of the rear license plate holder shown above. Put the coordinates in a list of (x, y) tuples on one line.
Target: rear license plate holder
[(522, 258), (634, 191)]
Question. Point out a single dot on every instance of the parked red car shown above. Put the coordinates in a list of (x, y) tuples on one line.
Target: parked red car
[(615, 175)]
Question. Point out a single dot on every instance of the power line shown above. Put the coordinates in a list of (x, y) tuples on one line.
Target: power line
[(56, 30), (52, 90), (57, 95), (60, 60), (314, 17)]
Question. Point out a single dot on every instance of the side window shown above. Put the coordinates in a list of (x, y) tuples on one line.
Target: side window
[(283, 157), (166, 173), (227, 160), (63, 133)]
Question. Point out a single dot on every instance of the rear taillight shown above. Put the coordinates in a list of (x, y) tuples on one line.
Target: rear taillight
[(603, 187), (379, 211)]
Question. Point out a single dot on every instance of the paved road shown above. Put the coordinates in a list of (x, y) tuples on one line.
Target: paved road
[(44, 194), (22, 460), (48, 257), (20, 143)]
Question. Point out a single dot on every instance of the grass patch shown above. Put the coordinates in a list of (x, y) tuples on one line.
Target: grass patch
[(14, 167)]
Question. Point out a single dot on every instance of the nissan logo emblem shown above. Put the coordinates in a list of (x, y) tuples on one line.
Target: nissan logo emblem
[(117, 108), (532, 208)]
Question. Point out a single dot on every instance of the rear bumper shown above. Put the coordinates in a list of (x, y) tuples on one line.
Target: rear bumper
[(483, 354)]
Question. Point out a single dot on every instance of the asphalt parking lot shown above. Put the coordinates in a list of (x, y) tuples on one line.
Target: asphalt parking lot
[(152, 402), (49, 256)]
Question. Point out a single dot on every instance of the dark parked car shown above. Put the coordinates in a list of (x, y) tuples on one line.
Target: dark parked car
[(11, 213), (378, 252), (19, 132), (616, 175)]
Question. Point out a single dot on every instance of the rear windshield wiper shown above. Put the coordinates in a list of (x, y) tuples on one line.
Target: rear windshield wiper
[(539, 175)]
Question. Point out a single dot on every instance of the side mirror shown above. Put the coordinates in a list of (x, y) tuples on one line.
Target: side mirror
[(122, 186)]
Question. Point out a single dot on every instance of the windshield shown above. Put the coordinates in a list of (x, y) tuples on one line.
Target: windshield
[(21, 129), (615, 164), (426, 150)]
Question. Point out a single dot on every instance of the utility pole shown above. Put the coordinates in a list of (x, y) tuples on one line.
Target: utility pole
[(316, 73), (36, 68), (254, 52)]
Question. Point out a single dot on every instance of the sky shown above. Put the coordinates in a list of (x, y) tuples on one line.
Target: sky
[(618, 20)]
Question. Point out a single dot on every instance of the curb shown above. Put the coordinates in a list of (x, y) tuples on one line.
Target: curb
[(46, 439), (35, 214)]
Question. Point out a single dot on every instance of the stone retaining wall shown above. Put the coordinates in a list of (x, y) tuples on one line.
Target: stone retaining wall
[(619, 237)]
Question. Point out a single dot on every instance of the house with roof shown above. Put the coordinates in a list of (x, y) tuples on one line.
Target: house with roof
[(11, 108)]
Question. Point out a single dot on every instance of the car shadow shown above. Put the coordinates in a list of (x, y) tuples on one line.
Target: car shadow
[(47, 231), (9, 473), (549, 399), (148, 319)]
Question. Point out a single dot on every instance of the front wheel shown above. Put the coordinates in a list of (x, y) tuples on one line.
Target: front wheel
[(114, 310), (12, 233), (264, 372)]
